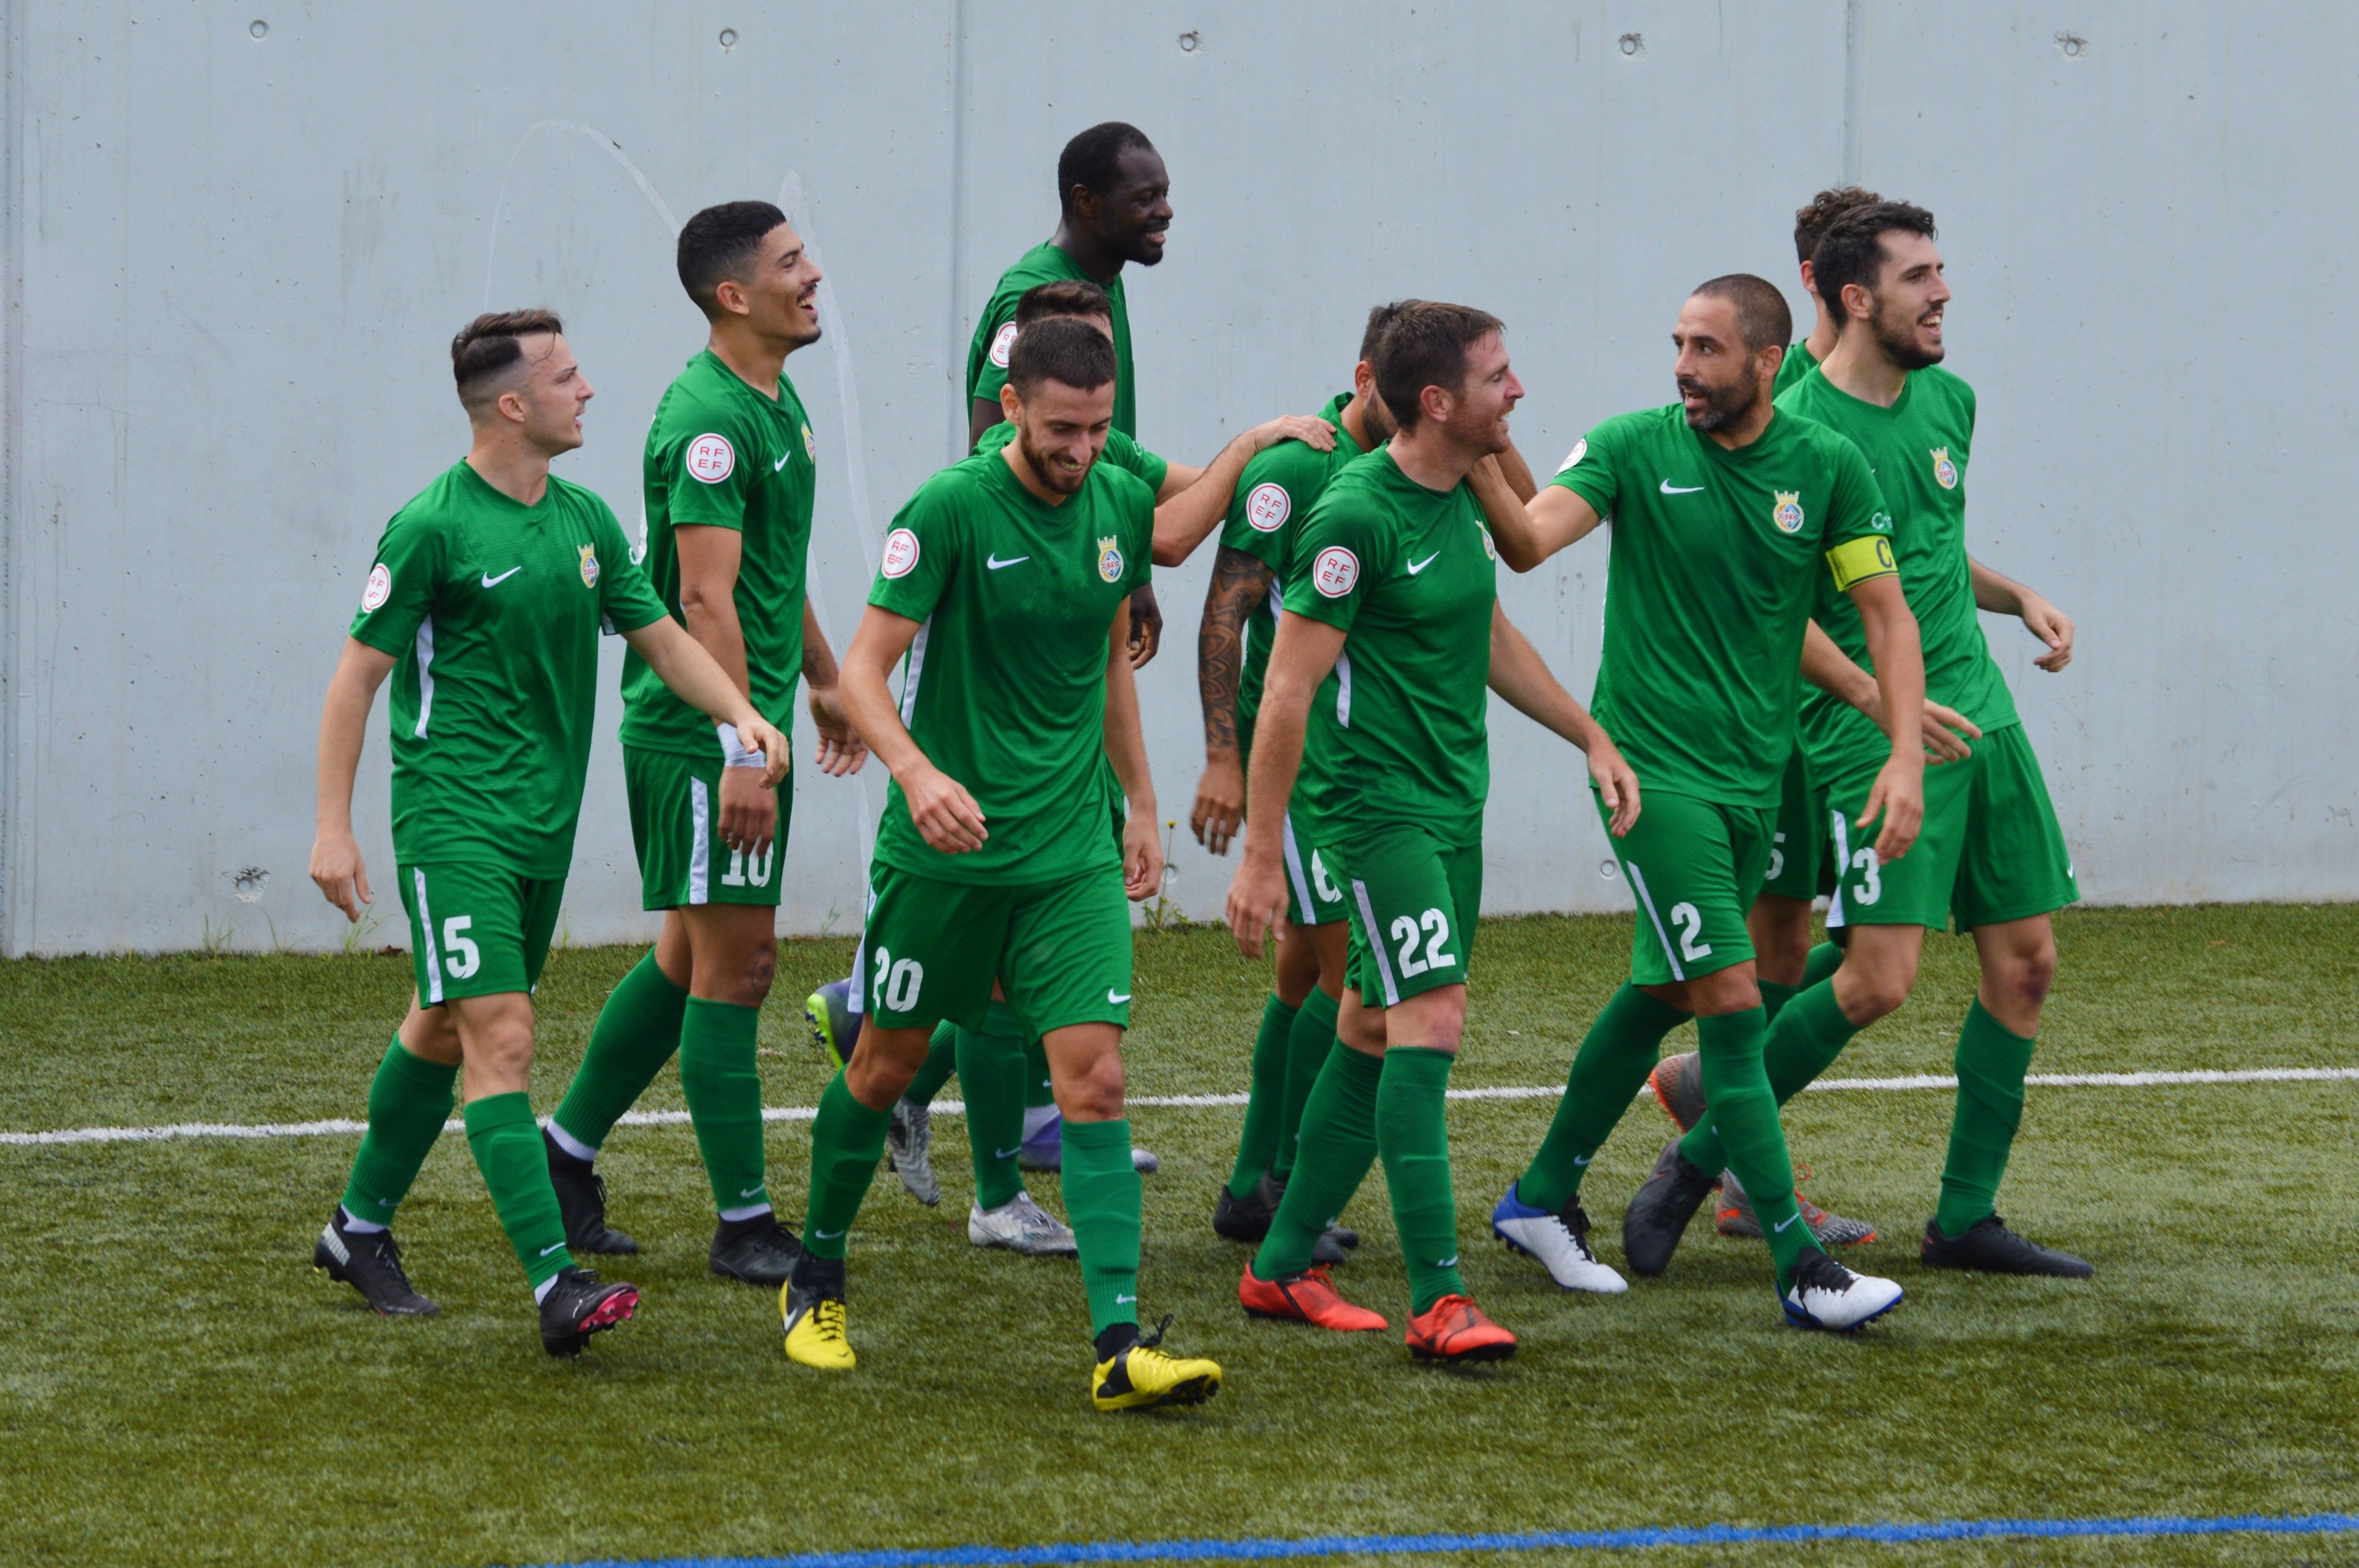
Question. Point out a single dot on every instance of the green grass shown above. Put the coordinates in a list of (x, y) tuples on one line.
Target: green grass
[(176, 1387)]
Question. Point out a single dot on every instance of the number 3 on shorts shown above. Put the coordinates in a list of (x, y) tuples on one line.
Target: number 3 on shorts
[(898, 984), (1435, 927)]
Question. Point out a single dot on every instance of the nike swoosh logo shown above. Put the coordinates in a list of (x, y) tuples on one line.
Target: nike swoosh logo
[(995, 563), (1007, 1153), (1417, 566), (1781, 1225), (547, 1250), (750, 1192), (1117, 1000), (825, 1235), (1449, 1262), (492, 582), (781, 463), (1582, 1159), (1125, 1301), (1668, 488)]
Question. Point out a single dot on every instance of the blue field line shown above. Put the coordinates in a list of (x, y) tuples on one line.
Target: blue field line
[(1081, 1551)]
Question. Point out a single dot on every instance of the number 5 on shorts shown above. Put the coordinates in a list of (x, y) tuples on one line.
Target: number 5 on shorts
[(460, 956)]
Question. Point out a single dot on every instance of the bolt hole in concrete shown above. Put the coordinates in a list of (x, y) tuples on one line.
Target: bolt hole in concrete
[(2073, 46), (247, 883), (1608, 870), (259, 29), (1632, 43), (1190, 43), (728, 38)]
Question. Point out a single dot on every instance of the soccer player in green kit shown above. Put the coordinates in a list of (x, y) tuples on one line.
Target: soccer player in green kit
[(1003, 584), (484, 605), (1725, 512), (729, 473), (1391, 635), (1991, 855)]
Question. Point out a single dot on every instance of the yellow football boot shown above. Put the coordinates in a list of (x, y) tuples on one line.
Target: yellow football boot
[(1144, 1375), (815, 1328)]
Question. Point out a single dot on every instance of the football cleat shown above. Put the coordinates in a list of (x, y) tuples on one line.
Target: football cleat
[(759, 1251), (1989, 1248), (1245, 1219), (1143, 1375), (582, 1203), (1659, 1210), (834, 1027), (1734, 1215), (1455, 1329), (370, 1262), (1677, 1083), (811, 1309), (909, 1150), (1334, 1245), (1021, 1225), (1824, 1294), (1560, 1241), (1309, 1297), (579, 1305)]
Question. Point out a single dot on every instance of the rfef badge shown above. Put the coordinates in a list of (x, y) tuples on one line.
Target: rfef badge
[(1788, 515), (1109, 560)]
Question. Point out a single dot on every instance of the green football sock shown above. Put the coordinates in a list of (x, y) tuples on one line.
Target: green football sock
[(942, 1061), (724, 1086), (1824, 960), (1265, 1098), (1614, 1058), (408, 1101), (637, 1030), (847, 1140), (1039, 1094), (1307, 1045), (1991, 1060), (1736, 1088), (1775, 996), (992, 1073), (1337, 1145), (1413, 1136), (505, 1141), (1802, 1043), (1102, 1198)]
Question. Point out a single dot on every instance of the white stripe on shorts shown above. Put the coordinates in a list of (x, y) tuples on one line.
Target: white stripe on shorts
[(700, 843), (1294, 872), (1639, 881), (1842, 864), (1376, 943), (426, 933)]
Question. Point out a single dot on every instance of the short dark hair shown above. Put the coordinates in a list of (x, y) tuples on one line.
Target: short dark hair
[(1812, 222), (486, 348), (1063, 297), (1425, 345), (1063, 350), (1380, 318), (1852, 250), (1093, 159), (1763, 317), (722, 242)]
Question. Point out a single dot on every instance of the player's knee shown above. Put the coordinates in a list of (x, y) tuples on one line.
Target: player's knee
[(1877, 993), (2027, 975), (1095, 1092)]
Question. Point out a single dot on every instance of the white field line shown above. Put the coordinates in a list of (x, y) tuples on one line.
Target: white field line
[(1203, 1102)]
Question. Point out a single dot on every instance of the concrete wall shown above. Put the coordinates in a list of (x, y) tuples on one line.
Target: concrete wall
[(235, 253)]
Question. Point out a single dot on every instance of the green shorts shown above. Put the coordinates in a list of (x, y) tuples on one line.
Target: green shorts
[(1695, 868), (1414, 900), (1798, 850), (476, 929), (676, 825), (1991, 849), (1313, 896), (1061, 951)]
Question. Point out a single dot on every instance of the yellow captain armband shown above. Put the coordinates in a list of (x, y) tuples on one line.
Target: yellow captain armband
[(1855, 562)]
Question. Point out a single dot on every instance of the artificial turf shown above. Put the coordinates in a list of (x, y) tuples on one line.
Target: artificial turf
[(176, 1387)]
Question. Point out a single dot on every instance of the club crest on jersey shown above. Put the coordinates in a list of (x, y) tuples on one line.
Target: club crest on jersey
[(1488, 549), (1788, 515), (1109, 560), (1945, 473), (811, 447), (589, 566)]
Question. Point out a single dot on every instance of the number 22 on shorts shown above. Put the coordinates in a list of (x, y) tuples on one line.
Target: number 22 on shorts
[(1435, 927)]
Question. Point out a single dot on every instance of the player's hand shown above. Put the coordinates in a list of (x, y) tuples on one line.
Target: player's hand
[(749, 810), (2050, 625), (1256, 900), (841, 749), (1142, 857), (945, 814), (1146, 628), (1219, 802), (756, 732), (1309, 428), (336, 867), (1899, 798), (1946, 733), (1616, 785)]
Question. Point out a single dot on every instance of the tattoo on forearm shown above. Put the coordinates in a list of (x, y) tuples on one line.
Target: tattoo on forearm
[(1239, 584)]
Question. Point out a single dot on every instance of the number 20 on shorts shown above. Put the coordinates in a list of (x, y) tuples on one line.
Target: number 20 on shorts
[(898, 982)]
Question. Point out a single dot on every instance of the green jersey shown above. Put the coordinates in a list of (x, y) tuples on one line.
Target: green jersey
[(986, 357), (492, 609), (1120, 449), (722, 455), (1916, 450), (1274, 496), (1401, 723), (1004, 686), (1709, 588), (1795, 369)]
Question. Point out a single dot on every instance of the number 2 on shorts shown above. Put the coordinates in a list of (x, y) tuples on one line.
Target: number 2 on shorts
[(1436, 927), (1690, 920)]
